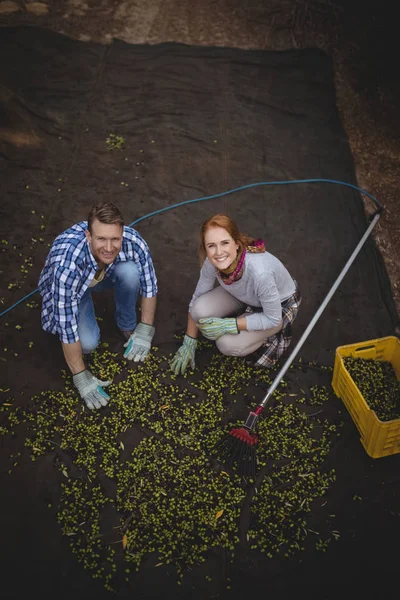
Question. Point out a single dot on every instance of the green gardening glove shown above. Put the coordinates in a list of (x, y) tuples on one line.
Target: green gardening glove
[(184, 356), (91, 389), (213, 328)]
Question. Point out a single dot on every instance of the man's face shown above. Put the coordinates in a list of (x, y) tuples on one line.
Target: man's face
[(105, 242)]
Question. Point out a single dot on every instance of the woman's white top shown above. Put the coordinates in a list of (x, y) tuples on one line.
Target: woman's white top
[(265, 284)]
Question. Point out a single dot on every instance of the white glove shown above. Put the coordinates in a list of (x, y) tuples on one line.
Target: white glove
[(139, 344), (91, 389)]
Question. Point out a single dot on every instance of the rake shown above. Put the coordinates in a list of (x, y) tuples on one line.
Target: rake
[(238, 448)]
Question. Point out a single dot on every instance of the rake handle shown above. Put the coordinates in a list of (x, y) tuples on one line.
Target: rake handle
[(253, 416)]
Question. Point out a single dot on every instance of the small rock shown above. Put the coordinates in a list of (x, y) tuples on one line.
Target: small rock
[(37, 8), (8, 7)]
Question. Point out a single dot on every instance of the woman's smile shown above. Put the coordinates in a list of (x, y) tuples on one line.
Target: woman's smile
[(221, 248)]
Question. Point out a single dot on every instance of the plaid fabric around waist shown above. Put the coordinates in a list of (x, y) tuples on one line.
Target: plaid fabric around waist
[(276, 345)]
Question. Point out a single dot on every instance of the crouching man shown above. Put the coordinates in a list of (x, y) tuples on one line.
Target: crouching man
[(90, 257)]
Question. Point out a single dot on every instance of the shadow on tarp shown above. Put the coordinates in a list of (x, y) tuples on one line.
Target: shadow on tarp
[(195, 121)]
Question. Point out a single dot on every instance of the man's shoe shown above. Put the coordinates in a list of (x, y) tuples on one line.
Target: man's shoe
[(126, 334)]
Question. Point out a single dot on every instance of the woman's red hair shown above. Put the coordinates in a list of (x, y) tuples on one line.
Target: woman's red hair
[(230, 226)]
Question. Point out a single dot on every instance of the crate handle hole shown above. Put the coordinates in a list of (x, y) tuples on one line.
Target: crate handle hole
[(364, 348)]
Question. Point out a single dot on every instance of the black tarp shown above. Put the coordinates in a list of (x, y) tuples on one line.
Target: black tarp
[(197, 122)]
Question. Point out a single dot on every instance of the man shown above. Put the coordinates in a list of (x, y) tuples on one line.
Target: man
[(91, 257)]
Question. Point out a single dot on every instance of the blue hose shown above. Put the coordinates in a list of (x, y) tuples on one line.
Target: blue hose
[(243, 187)]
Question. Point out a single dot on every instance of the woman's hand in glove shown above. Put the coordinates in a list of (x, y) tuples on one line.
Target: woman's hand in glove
[(184, 356), (213, 328)]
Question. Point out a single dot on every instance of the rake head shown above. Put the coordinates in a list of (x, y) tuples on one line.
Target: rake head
[(238, 451)]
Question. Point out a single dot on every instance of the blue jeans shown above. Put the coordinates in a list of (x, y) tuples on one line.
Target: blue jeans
[(125, 281)]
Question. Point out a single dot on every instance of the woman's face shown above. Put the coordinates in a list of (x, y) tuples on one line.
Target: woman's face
[(220, 247)]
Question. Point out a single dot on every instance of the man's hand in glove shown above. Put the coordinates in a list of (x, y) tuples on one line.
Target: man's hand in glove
[(139, 344), (184, 356), (91, 389), (213, 328)]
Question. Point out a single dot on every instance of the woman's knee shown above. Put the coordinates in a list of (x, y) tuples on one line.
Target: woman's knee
[(201, 309), (230, 346), (226, 345)]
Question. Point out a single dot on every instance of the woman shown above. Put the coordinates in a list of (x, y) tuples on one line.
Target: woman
[(254, 304)]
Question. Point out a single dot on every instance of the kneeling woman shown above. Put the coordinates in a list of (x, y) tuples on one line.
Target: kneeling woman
[(254, 304)]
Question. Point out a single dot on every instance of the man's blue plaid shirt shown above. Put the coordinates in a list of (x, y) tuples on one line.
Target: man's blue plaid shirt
[(70, 267)]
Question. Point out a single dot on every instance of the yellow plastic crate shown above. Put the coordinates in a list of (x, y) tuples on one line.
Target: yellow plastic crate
[(379, 438)]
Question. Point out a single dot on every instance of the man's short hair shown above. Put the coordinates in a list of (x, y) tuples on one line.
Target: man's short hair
[(107, 213)]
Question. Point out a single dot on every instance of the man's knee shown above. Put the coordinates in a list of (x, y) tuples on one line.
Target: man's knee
[(127, 273), (89, 343)]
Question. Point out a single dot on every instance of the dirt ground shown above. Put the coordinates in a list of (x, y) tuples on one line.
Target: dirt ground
[(359, 37)]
